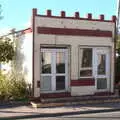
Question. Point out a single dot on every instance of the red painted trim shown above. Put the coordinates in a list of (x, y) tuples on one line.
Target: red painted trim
[(114, 18), (63, 14), (89, 16), (77, 15), (29, 30), (49, 13), (79, 32), (102, 17), (55, 95), (104, 93), (34, 11), (83, 82), (59, 17), (24, 31)]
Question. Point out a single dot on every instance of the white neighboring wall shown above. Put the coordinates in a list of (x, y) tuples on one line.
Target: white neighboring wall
[(27, 51), (23, 56)]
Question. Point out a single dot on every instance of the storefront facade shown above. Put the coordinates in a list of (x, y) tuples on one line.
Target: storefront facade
[(72, 56)]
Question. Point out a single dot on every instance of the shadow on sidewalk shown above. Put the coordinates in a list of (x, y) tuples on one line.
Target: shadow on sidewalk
[(55, 115), (13, 104)]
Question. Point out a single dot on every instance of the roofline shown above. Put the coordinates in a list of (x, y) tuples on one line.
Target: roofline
[(76, 16), (23, 31)]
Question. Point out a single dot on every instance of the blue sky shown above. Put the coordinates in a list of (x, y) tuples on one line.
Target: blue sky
[(17, 13)]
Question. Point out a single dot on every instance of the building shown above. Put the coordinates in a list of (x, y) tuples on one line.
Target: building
[(23, 57), (70, 56)]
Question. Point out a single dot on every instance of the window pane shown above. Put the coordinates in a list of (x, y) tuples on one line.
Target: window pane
[(85, 60), (101, 64), (45, 83), (46, 62), (101, 83), (60, 62), (87, 57), (85, 73), (60, 82)]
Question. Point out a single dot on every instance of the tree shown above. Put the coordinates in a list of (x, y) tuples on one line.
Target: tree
[(117, 71), (6, 50), (1, 12), (6, 47)]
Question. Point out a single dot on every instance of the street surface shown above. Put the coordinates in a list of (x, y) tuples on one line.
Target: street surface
[(67, 112), (96, 116)]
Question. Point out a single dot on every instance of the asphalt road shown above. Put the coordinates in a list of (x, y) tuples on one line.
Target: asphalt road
[(96, 116)]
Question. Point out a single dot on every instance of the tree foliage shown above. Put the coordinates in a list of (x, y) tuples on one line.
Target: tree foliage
[(118, 42), (6, 50), (117, 71), (1, 12)]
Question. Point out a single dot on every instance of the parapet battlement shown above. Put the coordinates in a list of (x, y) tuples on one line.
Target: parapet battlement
[(76, 16)]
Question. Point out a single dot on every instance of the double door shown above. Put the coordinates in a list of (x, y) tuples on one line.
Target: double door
[(54, 70)]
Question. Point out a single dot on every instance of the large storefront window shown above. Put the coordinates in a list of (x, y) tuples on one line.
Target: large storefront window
[(85, 59)]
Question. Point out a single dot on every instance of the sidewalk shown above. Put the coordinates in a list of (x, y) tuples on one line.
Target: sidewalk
[(26, 111)]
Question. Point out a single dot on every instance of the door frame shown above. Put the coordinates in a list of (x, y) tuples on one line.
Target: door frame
[(96, 52), (53, 73)]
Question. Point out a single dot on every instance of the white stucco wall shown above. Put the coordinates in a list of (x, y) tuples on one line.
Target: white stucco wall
[(27, 52), (73, 23), (74, 42)]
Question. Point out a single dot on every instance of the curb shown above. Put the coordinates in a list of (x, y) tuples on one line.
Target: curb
[(58, 114), (44, 105)]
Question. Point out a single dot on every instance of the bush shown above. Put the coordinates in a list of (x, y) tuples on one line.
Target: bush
[(12, 87), (18, 87), (4, 88)]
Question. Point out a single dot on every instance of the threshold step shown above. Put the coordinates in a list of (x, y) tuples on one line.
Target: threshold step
[(75, 99)]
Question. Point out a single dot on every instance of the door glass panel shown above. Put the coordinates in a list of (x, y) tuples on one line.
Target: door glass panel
[(101, 83), (101, 68), (46, 62), (45, 83), (86, 57), (60, 62), (84, 73), (85, 60), (60, 82)]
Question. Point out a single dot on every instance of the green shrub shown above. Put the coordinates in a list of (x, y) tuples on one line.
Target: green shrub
[(18, 87), (12, 87), (4, 88)]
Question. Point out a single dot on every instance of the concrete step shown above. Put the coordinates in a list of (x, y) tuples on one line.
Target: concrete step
[(73, 101), (77, 98)]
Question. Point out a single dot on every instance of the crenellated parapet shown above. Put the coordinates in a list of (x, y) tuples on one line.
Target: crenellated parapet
[(76, 16)]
